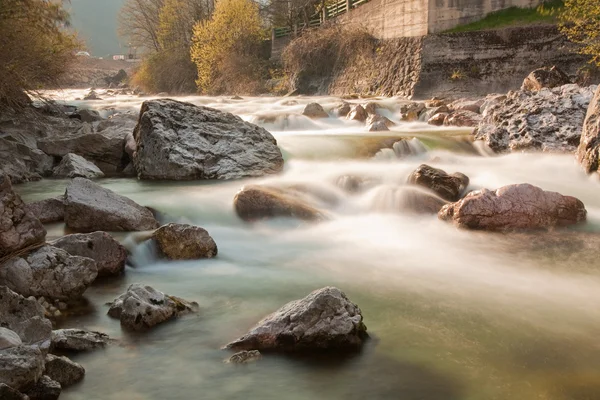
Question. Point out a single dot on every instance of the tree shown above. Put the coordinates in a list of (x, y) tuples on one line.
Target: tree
[(227, 48), (35, 48), (580, 21), (139, 21)]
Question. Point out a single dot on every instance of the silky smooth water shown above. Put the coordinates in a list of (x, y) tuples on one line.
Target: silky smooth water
[(453, 314)]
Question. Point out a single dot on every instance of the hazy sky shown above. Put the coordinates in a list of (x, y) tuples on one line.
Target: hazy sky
[(96, 22)]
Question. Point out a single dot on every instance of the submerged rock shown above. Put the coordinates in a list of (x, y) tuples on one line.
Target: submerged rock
[(78, 340), (448, 187), (185, 242), (181, 141), (588, 153), (545, 78), (89, 207), (245, 357), (45, 389), (257, 202), (143, 307), (63, 370), (546, 120), (48, 210), (324, 320), (25, 317), (110, 256), (19, 228), (394, 199), (514, 207), (315, 111), (50, 272), (21, 366), (73, 166)]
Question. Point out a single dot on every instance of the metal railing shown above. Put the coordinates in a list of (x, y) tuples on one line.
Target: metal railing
[(329, 12)]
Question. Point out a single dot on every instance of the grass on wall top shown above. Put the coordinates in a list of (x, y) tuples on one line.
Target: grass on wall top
[(545, 13)]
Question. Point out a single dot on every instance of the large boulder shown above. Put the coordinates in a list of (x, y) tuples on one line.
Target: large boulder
[(89, 207), (448, 187), (25, 317), (547, 120), (73, 166), (258, 202), (143, 307), (109, 254), (19, 228), (48, 210), (514, 207), (23, 163), (21, 366), (324, 320), (184, 242), (63, 370), (78, 340), (181, 141), (50, 272), (315, 111), (545, 78), (588, 152)]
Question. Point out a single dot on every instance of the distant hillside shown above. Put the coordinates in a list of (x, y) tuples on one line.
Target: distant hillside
[(96, 22)]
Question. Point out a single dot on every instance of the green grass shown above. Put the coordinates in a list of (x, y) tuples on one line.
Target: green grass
[(545, 13)]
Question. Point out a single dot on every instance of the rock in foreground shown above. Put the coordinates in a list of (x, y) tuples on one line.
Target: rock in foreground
[(24, 316), (48, 210), (73, 166), (588, 153), (50, 272), (21, 366), (514, 207), (109, 254), (78, 340), (19, 228), (324, 320), (143, 307), (89, 207), (180, 141), (63, 370), (448, 187), (185, 242), (258, 202)]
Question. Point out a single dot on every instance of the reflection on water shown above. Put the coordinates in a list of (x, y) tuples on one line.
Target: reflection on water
[(454, 314)]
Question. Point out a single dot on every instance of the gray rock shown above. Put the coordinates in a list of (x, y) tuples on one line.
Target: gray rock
[(547, 120), (588, 152), (92, 95), (73, 166), (466, 105), (89, 115), (325, 319), (315, 111), (89, 207), (45, 389), (184, 242), (21, 366), (63, 370), (48, 210), (50, 272), (19, 228), (545, 78), (342, 110), (23, 163), (8, 393), (378, 126), (9, 339), (514, 207), (255, 202), (109, 254), (25, 317), (143, 307), (245, 357), (462, 118), (78, 340), (180, 141), (448, 187)]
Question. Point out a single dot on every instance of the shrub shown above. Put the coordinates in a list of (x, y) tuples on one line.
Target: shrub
[(580, 21)]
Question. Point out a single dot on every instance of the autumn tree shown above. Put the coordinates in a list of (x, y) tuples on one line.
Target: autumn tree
[(580, 21), (227, 49), (35, 47)]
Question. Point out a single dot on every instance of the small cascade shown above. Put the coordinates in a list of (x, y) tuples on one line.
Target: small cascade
[(401, 149), (483, 149)]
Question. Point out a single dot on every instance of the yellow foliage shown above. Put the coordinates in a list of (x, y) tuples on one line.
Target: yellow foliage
[(226, 48), (580, 21)]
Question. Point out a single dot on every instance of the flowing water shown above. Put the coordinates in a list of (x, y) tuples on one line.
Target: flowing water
[(453, 314)]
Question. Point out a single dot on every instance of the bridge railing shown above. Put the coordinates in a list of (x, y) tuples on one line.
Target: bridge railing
[(329, 12)]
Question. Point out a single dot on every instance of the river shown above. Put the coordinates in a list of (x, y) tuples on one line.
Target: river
[(453, 315)]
